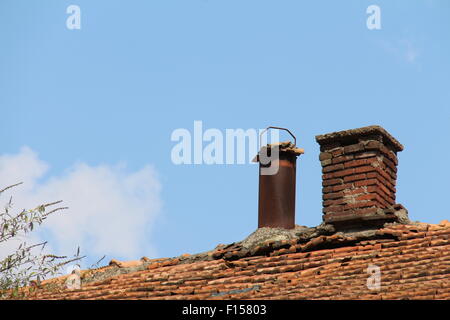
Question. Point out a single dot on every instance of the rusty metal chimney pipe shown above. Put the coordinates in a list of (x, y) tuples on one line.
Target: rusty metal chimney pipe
[(276, 206)]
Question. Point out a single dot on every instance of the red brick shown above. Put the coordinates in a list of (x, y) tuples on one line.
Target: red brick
[(325, 156), (386, 176), (368, 182), (382, 166), (366, 197), (332, 196), (392, 174), (389, 197), (343, 173), (382, 185), (367, 154), (355, 191), (342, 187), (332, 168), (372, 175), (359, 162), (342, 159), (390, 164), (331, 182), (376, 189), (391, 155), (382, 180), (360, 205), (353, 148), (327, 176), (354, 177), (364, 169), (338, 152), (373, 145), (383, 203), (333, 209), (335, 202)]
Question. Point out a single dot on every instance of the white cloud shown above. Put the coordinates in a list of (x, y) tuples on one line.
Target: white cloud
[(411, 53), (20, 167), (111, 211), (403, 49)]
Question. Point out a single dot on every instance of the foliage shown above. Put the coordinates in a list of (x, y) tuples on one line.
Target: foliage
[(27, 262)]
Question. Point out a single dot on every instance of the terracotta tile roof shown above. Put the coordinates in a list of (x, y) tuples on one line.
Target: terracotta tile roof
[(413, 259)]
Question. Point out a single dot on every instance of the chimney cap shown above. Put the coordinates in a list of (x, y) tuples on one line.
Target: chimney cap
[(285, 146), (353, 133)]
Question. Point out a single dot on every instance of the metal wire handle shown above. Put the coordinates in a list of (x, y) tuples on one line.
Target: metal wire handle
[(266, 129)]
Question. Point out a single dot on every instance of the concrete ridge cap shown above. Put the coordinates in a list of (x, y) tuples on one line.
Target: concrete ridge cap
[(333, 136)]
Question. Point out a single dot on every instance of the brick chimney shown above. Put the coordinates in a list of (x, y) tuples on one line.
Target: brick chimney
[(359, 169)]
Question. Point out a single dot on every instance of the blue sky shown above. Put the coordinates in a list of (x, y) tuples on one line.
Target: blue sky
[(110, 94)]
